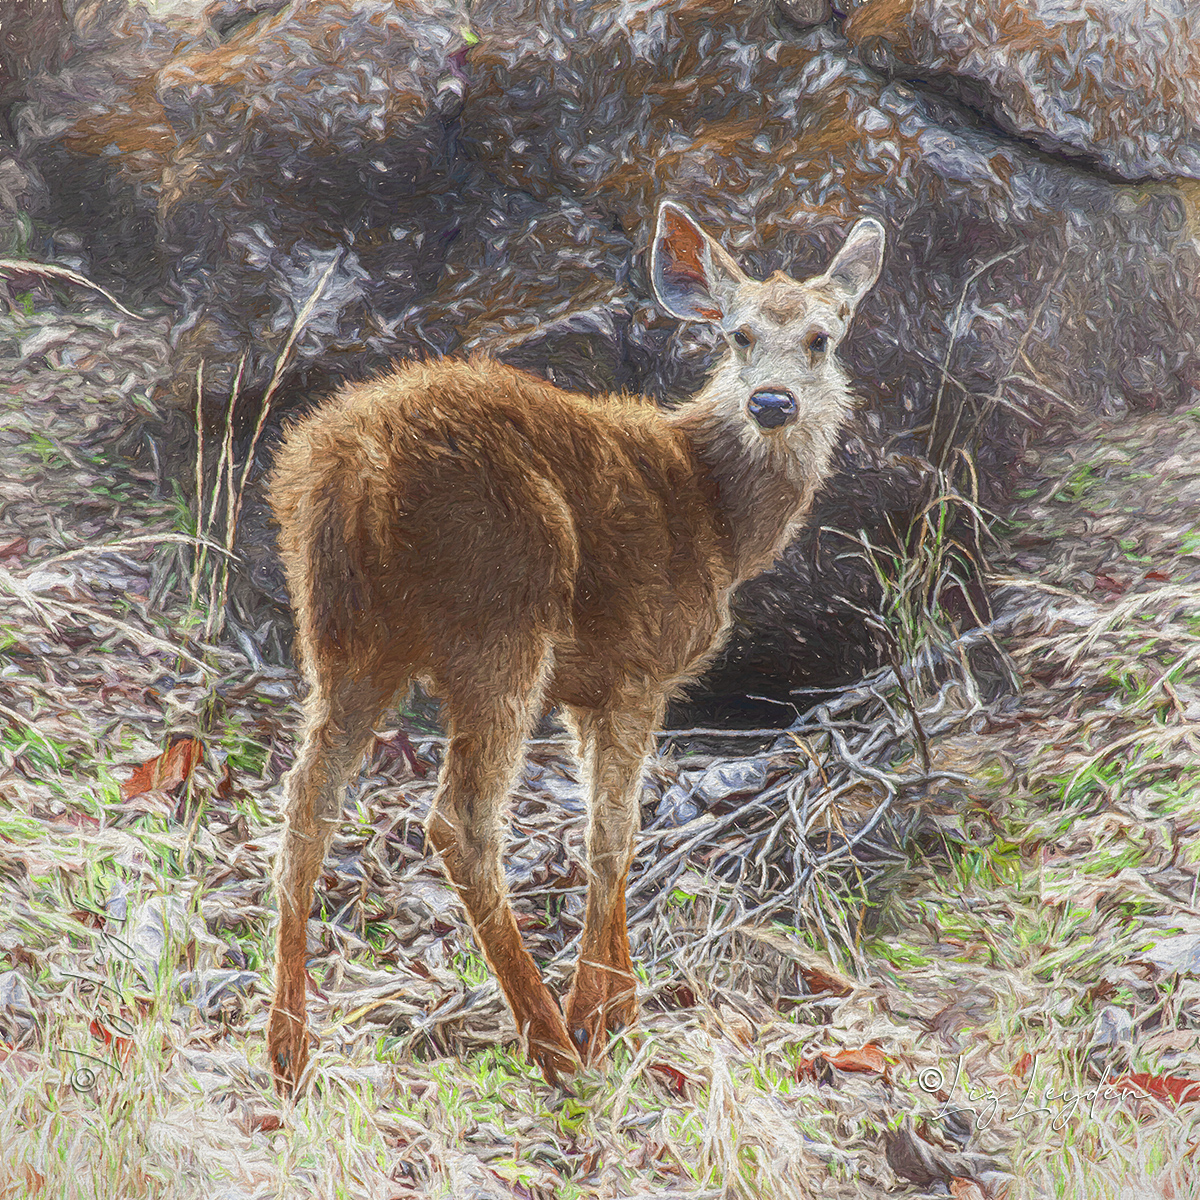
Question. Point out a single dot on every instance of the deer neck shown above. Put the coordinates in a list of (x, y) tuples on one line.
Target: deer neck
[(763, 486)]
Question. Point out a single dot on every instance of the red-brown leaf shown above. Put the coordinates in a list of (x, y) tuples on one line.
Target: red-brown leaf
[(397, 744), (15, 548), (674, 1078), (820, 980), (166, 772), (965, 1189), (678, 995), (1161, 1087), (870, 1060), (121, 1045), (260, 1120)]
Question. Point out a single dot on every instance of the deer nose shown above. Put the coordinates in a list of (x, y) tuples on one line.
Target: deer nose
[(773, 407)]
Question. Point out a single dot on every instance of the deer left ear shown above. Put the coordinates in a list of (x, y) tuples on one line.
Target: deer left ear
[(692, 275), (856, 266)]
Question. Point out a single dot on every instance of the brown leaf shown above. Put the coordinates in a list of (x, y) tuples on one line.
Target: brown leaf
[(1161, 1087), (1109, 586), (915, 1159), (15, 548), (166, 772), (260, 1120), (870, 1060), (678, 995), (674, 1078), (225, 783), (825, 979), (396, 744), (965, 1189), (1021, 1069)]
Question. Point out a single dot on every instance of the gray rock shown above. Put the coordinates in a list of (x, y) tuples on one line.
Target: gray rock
[(496, 198)]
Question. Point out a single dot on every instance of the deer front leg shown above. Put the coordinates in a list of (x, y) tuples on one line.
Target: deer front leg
[(337, 734), (604, 996)]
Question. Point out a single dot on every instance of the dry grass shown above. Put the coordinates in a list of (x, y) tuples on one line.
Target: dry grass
[(1022, 908)]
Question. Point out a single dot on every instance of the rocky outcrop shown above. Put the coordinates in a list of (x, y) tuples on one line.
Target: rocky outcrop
[(1114, 84), (455, 187)]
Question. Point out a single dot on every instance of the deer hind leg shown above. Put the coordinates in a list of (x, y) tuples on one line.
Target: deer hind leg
[(492, 703), (615, 744), (337, 733)]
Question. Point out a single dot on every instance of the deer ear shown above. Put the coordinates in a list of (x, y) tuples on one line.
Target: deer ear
[(856, 265), (692, 276)]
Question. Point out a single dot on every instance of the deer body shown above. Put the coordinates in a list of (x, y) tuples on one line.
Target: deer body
[(514, 545)]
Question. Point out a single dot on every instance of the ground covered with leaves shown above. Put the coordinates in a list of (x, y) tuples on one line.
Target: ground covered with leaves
[(941, 937)]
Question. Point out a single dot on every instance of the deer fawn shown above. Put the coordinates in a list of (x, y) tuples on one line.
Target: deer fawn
[(513, 545)]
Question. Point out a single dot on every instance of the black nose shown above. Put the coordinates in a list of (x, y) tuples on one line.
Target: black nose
[(773, 407)]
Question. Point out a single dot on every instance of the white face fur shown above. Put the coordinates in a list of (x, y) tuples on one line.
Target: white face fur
[(780, 376)]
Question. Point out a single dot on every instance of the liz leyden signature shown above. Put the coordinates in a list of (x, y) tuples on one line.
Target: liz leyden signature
[(985, 1104)]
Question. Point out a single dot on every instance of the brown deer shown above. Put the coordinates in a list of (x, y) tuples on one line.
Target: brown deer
[(513, 545)]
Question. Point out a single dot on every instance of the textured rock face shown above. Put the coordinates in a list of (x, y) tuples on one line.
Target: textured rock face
[(496, 196), (1114, 82), (1018, 290), (247, 155)]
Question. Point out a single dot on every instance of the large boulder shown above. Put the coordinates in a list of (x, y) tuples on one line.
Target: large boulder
[(455, 187), (236, 162), (1019, 289), (1113, 83)]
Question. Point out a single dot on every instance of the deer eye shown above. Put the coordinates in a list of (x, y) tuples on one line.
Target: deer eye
[(818, 343), (743, 338)]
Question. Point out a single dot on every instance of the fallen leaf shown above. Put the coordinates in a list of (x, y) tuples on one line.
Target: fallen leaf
[(120, 1045), (965, 1189), (1109, 586), (915, 1159), (870, 1059), (674, 1078), (259, 1120), (86, 916), (167, 771), (1160, 1087), (396, 744), (678, 995), (825, 979), (14, 549)]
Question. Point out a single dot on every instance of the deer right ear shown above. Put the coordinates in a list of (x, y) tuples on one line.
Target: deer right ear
[(856, 266), (692, 275)]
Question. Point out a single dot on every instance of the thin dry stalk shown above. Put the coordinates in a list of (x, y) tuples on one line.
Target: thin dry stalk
[(216, 617), (19, 266)]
